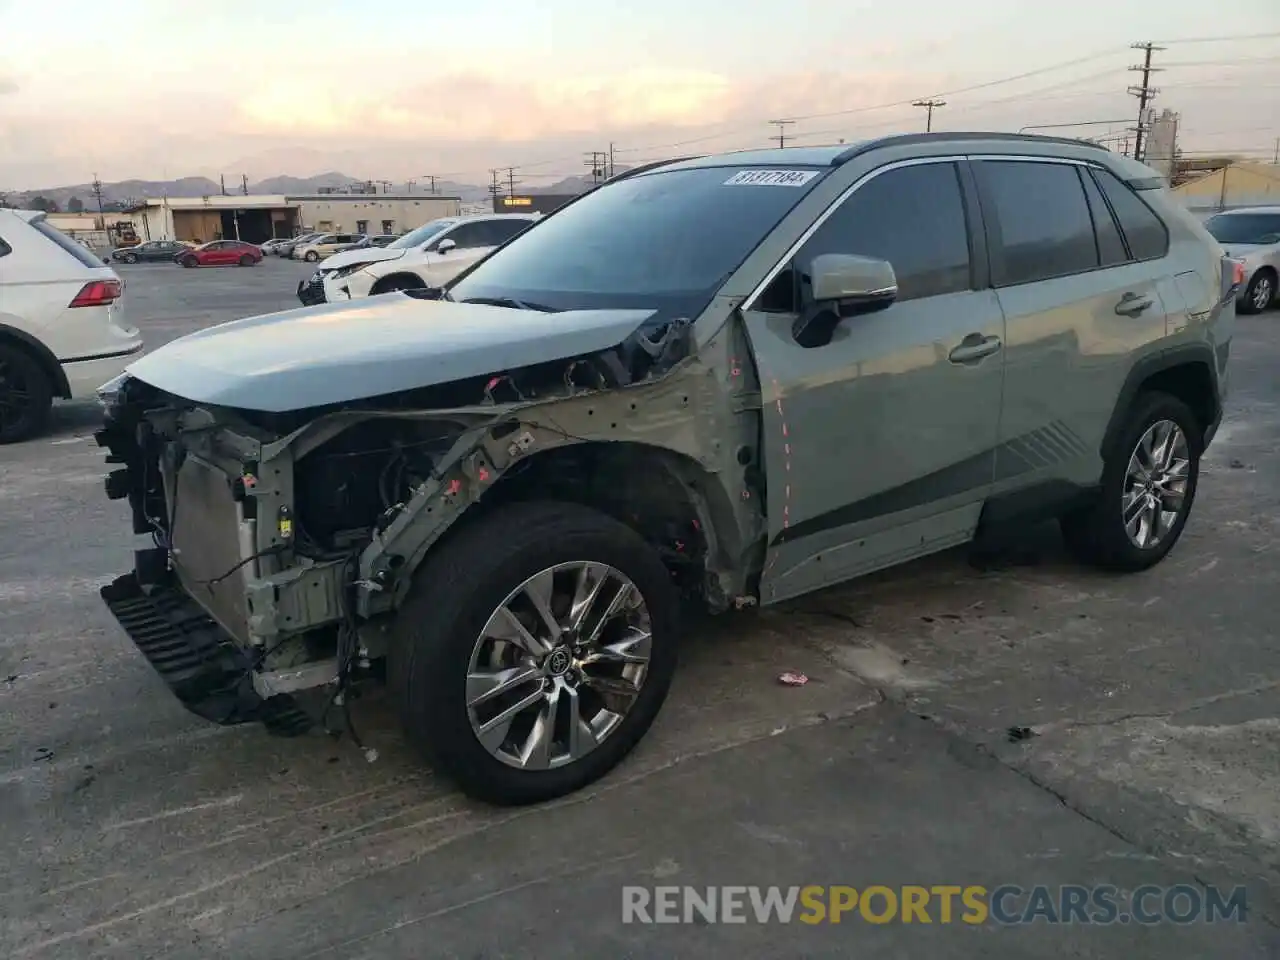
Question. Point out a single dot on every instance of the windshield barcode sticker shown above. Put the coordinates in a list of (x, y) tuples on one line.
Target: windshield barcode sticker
[(771, 178)]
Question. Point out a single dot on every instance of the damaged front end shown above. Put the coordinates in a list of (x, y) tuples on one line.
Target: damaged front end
[(283, 543)]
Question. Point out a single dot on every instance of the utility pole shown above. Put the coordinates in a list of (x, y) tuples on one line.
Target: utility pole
[(1275, 157), (222, 183), (929, 106), (244, 184), (97, 193), (611, 169), (495, 188), (782, 131), (597, 164), (1145, 93), (511, 181), (433, 182)]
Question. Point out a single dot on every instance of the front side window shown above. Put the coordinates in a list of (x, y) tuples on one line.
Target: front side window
[(1260, 228), (665, 240), (469, 235), (416, 238), (1043, 218), (913, 217)]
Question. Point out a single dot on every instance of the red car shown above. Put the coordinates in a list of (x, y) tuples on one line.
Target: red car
[(221, 253)]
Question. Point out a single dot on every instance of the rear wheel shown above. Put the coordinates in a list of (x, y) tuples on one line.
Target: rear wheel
[(535, 651), (1260, 293), (246, 261), (189, 261), (26, 395), (1148, 488), (129, 257), (311, 256)]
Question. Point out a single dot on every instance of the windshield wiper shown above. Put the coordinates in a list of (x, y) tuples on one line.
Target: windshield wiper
[(511, 302)]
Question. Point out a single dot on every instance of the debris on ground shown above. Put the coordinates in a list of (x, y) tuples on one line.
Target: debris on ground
[(793, 679), (1020, 733)]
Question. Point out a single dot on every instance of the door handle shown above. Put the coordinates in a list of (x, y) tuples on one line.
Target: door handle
[(1132, 304), (973, 348)]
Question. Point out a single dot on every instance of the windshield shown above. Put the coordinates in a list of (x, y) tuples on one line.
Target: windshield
[(420, 236), (1245, 227), (665, 240)]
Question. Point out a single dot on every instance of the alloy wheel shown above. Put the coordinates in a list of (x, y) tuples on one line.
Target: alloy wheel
[(1155, 485), (1262, 293), (559, 665), (15, 395)]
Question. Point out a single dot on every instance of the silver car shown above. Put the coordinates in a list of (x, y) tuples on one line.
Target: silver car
[(1251, 235)]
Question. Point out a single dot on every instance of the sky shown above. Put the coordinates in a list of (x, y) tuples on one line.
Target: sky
[(388, 89)]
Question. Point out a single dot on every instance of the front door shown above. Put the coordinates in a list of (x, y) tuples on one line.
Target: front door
[(880, 445)]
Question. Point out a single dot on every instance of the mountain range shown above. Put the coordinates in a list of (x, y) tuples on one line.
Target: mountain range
[(122, 193)]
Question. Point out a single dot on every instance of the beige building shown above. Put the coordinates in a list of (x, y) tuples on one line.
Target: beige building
[(1237, 184), (259, 218)]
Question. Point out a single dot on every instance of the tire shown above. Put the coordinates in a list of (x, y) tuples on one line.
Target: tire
[(1096, 533), (1260, 293), (189, 262), (246, 261), (396, 282), (129, 257), (311, 256), (437, 636), (22, 418)]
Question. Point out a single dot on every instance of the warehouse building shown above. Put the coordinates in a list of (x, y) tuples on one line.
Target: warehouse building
[(259, 218), (1236, 183)]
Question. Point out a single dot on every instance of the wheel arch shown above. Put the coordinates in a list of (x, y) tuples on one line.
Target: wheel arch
[(1188, 372), (380, 285), (43, 356)]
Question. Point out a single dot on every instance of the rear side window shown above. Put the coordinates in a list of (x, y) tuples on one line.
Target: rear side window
[(1043, 221), (5, 249), (84, 256), (1145, 233), (500, 231), (1111, 249), (912, 217)]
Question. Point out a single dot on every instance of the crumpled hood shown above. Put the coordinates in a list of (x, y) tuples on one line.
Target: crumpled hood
[(364, 255), (343, 352)]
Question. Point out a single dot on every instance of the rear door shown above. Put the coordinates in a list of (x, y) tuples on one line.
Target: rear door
[(1080, 300), (880, 444)]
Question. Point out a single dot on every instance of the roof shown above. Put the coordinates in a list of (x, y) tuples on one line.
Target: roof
[(1274, 208), (367, 197), (219, 201)]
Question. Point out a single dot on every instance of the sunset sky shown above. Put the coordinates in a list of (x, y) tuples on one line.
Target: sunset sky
[(390, 89)]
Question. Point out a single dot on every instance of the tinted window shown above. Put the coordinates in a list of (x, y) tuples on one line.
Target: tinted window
[(1143, 230), (422, 234), (1111, 249), (5, 249), (1044, 221), (470, 235), (1245, 227), (500, 231), (665, 240), (86, 257)]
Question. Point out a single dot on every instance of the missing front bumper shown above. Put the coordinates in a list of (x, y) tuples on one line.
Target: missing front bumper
[(206, 671)]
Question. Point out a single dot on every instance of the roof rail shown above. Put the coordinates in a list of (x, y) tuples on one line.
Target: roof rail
[(906, 139), (646, 167)]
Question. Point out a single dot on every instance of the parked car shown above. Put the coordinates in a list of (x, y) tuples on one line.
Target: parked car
[(62, 328), (424, 257), (220, 253), (284, 248), (727, 380), (325, 245), (1253, 236), (379, 240), (270, 246), (150, 251)]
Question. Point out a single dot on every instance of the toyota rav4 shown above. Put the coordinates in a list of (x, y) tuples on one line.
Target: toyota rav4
[(727, 379)]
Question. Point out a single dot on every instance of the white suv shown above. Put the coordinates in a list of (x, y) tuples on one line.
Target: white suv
[(62, 331), (428, 256)]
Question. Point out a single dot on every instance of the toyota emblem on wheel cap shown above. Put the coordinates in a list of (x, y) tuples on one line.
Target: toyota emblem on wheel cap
[(558, 662)]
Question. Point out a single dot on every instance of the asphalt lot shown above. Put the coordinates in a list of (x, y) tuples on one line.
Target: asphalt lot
[(129, 829)]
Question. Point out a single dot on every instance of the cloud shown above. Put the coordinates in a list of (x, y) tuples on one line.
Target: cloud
[(8, 85)]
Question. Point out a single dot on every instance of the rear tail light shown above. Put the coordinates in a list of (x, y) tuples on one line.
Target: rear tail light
[(1233, 277), (98, 293)]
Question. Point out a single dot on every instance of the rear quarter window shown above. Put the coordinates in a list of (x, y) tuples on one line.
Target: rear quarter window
[(5, 249), (1144, 231), (82, 255)]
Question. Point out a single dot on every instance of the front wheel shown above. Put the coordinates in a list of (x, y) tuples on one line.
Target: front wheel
[(129, 257), (534, 651), (311, 256), (246, 261), (1148, 487), (188, 262)]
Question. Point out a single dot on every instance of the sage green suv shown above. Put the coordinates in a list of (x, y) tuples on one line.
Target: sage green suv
[(736, 378)]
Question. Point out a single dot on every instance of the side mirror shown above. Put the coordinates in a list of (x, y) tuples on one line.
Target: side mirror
[(444, 246), (852, 284), (842, 285)]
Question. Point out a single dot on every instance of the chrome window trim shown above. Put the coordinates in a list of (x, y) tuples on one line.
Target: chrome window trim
[(758, 290)]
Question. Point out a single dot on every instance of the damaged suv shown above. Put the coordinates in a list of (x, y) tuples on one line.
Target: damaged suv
[(728, 380)]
